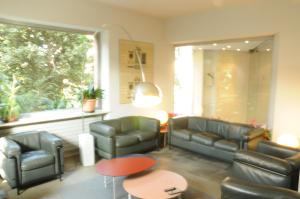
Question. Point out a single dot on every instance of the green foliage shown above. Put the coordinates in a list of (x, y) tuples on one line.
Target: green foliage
[(92, 93), (49, 65), (10, 108)]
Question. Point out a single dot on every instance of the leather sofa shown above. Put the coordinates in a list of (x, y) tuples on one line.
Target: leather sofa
[(126, 135), (240, 189), (212, 137), (270, 164), (30, 157)]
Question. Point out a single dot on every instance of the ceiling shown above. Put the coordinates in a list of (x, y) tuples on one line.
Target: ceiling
[(171, 8), (260, 44)]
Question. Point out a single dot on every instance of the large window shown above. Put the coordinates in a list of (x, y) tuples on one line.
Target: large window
[(46, 68)]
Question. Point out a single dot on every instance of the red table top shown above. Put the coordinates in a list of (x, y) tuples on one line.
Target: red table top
[(124, 166)]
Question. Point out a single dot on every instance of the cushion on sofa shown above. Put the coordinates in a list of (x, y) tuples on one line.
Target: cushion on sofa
[(197, 123), (144, 136), (237, 131), (183, 134), (205, 138), (126, 140), (36, 159), (227, 145)]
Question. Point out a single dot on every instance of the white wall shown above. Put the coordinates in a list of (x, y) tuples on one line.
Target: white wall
[(89, 14), (279, 17)]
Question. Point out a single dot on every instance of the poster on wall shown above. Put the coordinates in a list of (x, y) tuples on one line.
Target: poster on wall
[(130, 73)]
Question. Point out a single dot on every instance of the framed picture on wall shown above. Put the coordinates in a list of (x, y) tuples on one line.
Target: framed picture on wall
[(130, 74)]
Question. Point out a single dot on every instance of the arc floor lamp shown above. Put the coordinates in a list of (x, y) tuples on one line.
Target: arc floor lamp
[(146, 94)]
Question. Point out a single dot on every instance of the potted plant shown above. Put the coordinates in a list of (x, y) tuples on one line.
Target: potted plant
[(9, 107), (90, 96)]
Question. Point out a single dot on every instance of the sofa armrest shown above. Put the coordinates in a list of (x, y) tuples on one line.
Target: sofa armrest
[(149, 124), (54, 145), (263, 161), (277, 150), (239, 189), (9, 148), (178, 123), (103, 129), (257, 132), (294, 161)]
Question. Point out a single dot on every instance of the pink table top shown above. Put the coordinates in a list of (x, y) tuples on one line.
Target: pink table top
[(152, 185), (124, 166)]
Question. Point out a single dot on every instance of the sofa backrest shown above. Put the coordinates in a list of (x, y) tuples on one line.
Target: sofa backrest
[(115, 123), (197, 123), (28, 140), (237, 131), (222, 128), (130, 123)]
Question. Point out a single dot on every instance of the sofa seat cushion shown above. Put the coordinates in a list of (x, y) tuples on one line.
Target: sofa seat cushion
[(184, 134), (126, 140), (227, 145), (36, 159), (205, 138), (144, 135)]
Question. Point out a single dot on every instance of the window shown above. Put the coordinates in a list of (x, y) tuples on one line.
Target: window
[(45, 67)]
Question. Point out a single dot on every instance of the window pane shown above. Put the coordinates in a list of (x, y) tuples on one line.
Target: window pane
[(50, 66)]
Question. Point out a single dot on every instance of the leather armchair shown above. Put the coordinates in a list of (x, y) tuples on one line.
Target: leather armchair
[(270, 164), (240, 189), (30, 157), (125, 135)]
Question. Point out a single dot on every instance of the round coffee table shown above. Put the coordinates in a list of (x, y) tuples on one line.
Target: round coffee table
[(153, 184), (124, 166)]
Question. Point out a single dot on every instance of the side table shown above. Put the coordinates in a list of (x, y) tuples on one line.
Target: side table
[(164, 133)]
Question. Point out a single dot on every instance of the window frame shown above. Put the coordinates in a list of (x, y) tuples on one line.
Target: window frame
[(71, 29)]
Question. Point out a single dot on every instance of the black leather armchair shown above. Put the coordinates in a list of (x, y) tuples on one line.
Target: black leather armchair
[(126, 135), (270, 164), (240, 189), (29, 157)]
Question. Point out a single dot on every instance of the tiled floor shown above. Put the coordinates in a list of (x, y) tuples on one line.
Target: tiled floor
[(202, 173)]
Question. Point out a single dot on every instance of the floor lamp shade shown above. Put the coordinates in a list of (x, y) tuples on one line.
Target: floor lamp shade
[(146, 94)]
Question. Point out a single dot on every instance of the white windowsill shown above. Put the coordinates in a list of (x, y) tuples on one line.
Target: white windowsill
[(51, 116)]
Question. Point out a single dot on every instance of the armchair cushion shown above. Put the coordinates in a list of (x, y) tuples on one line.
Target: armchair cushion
[(149, 124), (35, 159), (227, 145), (263, 161), (130, 123), (182, 134), (126, 140), (9, 147), (205, 138)]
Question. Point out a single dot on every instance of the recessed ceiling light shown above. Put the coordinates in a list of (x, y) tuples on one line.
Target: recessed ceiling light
[(268, 49), (247, 42), (223, 48), (238, 49), (215, 44), (228, 46)]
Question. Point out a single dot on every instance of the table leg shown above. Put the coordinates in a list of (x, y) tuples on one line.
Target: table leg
[(114, 188), (105, 182)]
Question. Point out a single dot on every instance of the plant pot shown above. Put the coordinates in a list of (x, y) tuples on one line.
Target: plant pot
[(89, 105), (12, 118)]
